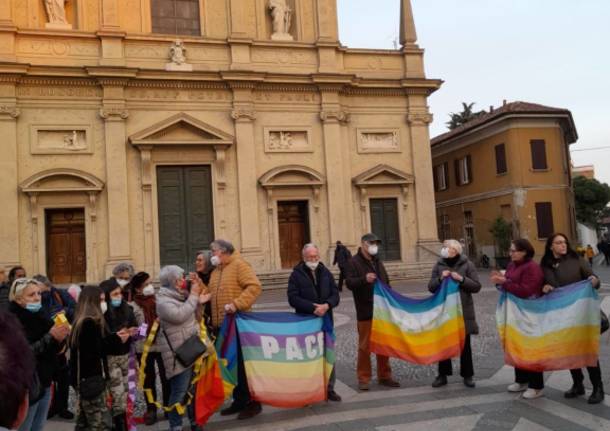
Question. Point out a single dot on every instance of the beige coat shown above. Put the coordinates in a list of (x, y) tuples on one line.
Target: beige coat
[(234, 282)]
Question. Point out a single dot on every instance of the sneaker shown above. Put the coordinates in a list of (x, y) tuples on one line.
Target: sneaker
[(439, 381), (390, 383), (252, 409), (517, 387), (531, 394), (363, 386)]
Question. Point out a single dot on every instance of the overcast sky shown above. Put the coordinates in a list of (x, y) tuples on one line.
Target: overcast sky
[(552, 52)]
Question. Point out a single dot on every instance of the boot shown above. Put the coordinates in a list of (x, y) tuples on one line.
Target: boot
[(150, 417), (597, 396), (119, 422), (576, 390)]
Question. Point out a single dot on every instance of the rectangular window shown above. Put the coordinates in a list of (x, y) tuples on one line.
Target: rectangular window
[(538, 147), (443, 227), (544, 219), (440, 177), (463, 170), (507, 212), (468, 217), (501, 159), (175, 17)]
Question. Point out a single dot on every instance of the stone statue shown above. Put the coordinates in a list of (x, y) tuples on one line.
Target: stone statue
[(177, 56), (56, 11), (281, 15)]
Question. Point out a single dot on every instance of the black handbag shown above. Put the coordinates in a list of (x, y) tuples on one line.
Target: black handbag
[(604, 324), (191, 350), (90, 387)]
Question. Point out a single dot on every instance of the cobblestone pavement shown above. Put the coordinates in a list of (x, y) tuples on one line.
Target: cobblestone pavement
[(416, 405)]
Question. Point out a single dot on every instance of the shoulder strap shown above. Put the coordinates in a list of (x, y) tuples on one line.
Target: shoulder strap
[(168, 342), (58, 298)]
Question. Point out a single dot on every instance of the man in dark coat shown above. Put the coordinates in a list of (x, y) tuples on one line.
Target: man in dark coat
[(363, 270), (312, 290), (342, 257)]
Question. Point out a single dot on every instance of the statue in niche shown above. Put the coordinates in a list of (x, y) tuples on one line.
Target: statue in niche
[(281, 15), (56, 11), (72, 143)]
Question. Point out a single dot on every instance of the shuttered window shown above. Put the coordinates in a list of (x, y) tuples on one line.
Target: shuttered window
[(441, 178), (501, 167), (544, 219), (463, 170), (538, 147), (175, 17)]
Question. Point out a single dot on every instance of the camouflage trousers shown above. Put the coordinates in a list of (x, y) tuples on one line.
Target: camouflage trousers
[(117, 371), (94, 414)]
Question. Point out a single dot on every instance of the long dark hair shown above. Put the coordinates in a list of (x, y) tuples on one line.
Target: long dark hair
[(87, 307), (524, 245), (549, 258)]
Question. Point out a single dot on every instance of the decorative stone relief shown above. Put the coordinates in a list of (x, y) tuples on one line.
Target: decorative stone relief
[(64, 139), (116, 114), (281, 15), (177, 55), (334, 116), (378, 141), (56, 12), (419, 118), (243, 115), (9, 110), (288, 140)]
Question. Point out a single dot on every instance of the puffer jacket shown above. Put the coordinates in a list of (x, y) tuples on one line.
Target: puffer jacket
[(234, 282), (470, 285), (177, 318)]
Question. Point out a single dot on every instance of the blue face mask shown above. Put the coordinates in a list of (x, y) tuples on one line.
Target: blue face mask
[(116, 302), (33, 307)]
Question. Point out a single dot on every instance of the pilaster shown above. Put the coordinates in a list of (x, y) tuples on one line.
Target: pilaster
[(111, 35), (7, 32), (244, 116), (114, 114)]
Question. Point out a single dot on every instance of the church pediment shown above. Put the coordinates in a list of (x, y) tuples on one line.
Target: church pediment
[(291, 176), (181, 129), (382, 175), (62, 180)]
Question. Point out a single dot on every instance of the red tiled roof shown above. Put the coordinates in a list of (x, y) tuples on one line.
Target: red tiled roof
[(512, 108)]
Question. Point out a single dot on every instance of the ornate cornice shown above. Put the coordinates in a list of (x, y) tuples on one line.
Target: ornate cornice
[(337, 116), (186, 85), (114, 114), (10, 78), (9, 110), (243, 115), (384, 92), (64, 82), (422, 118), (113, 82)]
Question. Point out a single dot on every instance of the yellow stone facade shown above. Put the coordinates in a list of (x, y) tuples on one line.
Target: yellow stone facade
[(90, 110)]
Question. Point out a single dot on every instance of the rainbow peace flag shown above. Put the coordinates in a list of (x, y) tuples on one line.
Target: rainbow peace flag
[(557, 331), (422, 331), (226, 348), (288, 357)]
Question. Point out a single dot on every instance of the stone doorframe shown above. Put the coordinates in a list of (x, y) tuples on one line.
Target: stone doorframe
[(166, 133), (289, 178), (69, 188), (380, 176)]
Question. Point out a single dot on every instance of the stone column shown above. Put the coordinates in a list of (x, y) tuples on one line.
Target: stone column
[(427, 236), (114, 113), (338, 191), (9, 186), (244, 116)]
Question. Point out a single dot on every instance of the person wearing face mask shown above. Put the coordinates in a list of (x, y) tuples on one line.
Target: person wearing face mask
[(119, 316), (90, 342), (46, 341), (312, 290), (455, 265), (234, 287), (363, 270), (122, 273), (145, 310)]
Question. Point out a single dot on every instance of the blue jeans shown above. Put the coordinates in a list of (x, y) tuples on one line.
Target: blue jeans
[(37, 413), (179, 385)]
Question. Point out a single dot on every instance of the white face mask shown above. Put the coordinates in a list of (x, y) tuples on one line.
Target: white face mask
[(104, 307), (122, 282), (149, 290), (444, 252), (373, 249), (312, 265), (215, 260)]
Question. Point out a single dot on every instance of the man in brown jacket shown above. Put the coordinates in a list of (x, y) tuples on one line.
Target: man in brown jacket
[(362, 272), (234, 287)]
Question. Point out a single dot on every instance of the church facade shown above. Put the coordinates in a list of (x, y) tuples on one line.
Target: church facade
[(141, 130)]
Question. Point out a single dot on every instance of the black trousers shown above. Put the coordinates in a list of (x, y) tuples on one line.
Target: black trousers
[(533, 379), (595, 375), (466, 367), (61, 380), (150, 381), (241, 392), (341, 280)]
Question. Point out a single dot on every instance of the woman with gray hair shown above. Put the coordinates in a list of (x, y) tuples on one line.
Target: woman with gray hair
[(176, 308), (454, 264)]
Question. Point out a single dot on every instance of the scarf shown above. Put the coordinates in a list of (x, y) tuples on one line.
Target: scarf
[(451, 261), (149, 307)]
